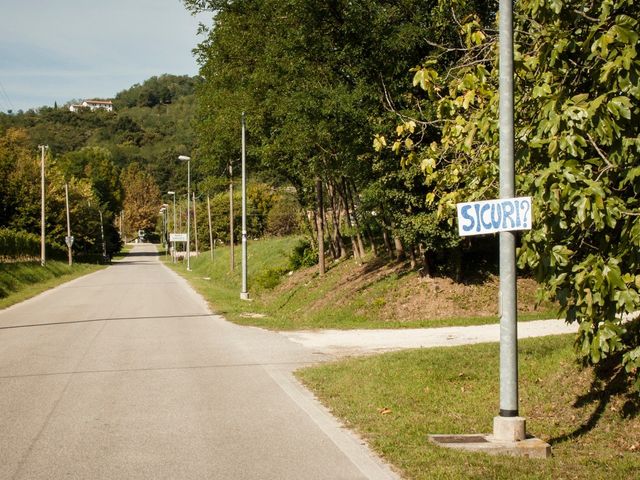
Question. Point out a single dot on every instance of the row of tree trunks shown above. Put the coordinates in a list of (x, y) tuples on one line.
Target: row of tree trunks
[(342, 206), (338, 246), (320, 225), (357, 238)]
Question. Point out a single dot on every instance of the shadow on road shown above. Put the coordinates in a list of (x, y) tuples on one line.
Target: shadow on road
[(115, 319), (137, 257)]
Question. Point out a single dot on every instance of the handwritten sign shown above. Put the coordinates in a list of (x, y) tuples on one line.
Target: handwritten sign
[(491, 216)]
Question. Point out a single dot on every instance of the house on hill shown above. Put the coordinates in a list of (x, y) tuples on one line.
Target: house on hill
[(93, 105)]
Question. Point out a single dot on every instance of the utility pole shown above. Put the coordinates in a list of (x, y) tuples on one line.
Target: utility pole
[(173, 244), (104, 245), (43, 253), (320, 226), (195, 222), (184, 158), (210, 229), (69, 239), (231, 240), (244, 295)]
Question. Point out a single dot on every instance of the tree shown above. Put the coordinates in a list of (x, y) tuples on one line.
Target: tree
[(315, 78), (141, 199), (96, 164), (20, 197), (577, 141)]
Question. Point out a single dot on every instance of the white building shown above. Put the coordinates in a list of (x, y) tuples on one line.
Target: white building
[(93, 105)]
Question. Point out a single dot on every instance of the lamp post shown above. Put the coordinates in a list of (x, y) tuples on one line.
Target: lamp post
[(69, 239), (244, 295), (173, 244), (174, 209), (163, 228), (184, 158), (104, 244), (43, 254)]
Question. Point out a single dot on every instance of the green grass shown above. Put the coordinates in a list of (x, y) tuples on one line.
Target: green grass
[(306, 301), (595, 433), (22, 280), (221, 287)]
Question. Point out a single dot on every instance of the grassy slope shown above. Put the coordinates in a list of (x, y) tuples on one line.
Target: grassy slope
[(594, 433), (22, 280), (372, 295)]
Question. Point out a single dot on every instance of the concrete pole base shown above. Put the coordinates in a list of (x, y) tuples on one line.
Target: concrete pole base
[(530, 447), (509, 429), (509, 438), (244, 295)]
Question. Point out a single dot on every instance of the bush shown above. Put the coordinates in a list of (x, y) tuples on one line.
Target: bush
[(270, 278), (283, 218), (303, 255)]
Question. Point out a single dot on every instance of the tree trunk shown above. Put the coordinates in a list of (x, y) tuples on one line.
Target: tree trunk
[(329, 225), (387, 242), (374, 249), (311, 227), (384, 225), (345, 203), (335, 217), (320, 222), (426, 264), (412, 256), (400, 254), (350, 197), (330, 235)]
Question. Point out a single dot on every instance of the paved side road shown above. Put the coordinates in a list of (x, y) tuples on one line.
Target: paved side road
[(361, 342), (126, 374)]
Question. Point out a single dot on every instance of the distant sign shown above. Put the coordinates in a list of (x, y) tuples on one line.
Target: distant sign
[(69, 241), (491, 216), (177, 237)]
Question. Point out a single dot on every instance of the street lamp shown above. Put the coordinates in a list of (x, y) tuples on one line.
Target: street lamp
[(184, 158), (42, 219), (163, 228), (173, 245), (174, 209), (244, 295)]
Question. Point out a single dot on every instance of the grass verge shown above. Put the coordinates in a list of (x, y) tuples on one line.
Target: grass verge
[(22, 280), (348, 296), (398, 399)]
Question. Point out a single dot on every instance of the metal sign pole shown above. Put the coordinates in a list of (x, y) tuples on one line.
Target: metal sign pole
[(508, 426)]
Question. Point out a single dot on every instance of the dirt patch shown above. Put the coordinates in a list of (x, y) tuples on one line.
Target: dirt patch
[(395, 293), (420, 298)]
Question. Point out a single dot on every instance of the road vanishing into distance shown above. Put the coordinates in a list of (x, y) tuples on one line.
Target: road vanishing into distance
[(126, 374)]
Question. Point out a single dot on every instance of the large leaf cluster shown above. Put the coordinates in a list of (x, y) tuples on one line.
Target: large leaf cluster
[(577, 115)]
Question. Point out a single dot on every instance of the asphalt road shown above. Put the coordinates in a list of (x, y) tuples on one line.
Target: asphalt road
[(126, 374)]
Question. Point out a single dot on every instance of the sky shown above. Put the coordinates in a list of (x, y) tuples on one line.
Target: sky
[(63, 50)]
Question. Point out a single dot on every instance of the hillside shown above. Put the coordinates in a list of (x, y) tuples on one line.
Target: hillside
[(117, 164), (376, 294), (151, 124)]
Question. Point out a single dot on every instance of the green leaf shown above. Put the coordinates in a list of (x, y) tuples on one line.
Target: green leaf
[(620, 106)]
